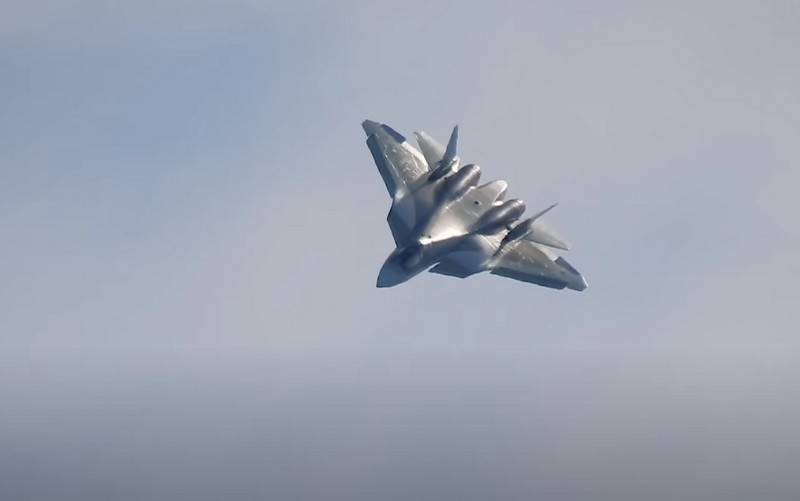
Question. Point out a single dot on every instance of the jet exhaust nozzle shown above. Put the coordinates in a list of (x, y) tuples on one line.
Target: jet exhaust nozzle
[(526, 227), (456, 186), (520, 231), (501, 215)]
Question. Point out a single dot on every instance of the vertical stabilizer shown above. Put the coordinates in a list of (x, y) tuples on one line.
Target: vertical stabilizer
[(449, 162), (431, 149), (452, 147)]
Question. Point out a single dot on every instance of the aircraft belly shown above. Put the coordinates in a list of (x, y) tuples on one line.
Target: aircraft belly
[(440, 217)]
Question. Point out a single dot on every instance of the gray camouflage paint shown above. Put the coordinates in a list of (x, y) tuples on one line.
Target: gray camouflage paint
[(440, 216)]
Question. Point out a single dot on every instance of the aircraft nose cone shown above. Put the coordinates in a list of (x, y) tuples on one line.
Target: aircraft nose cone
[(390, 275)]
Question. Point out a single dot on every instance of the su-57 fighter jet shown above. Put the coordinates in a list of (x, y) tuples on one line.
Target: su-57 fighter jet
[(441, 219)]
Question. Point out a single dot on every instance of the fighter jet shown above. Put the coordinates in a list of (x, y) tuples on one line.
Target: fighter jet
[(443, 221)]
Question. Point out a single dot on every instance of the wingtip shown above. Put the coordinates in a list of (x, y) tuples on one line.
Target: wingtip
[(370, 127)]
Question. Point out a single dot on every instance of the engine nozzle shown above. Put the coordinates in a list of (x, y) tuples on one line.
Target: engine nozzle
[(500, 215)]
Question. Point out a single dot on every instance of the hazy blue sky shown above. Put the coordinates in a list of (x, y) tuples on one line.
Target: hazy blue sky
[(191, 227)]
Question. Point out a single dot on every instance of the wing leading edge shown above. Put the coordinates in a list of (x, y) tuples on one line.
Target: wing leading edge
[(399, 163)]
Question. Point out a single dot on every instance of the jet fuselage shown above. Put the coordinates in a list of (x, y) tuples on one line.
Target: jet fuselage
[(443, 221)]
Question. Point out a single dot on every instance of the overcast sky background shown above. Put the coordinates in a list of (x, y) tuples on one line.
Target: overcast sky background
[(191, 227)]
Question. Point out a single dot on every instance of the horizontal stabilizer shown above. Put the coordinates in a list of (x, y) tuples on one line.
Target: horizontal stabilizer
[(431, 149), (543, 235)]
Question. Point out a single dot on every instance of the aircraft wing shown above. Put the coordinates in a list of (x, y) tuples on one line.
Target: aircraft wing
[(526, 261), (399, 163)]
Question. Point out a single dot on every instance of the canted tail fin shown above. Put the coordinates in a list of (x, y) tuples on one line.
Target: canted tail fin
[(449, 160), (452, 147), (533, 230)]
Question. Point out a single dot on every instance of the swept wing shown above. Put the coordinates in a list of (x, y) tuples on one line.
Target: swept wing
[(526, 261), (399, 163)]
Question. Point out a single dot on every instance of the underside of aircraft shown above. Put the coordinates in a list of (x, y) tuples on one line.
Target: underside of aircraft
[(444, 221)]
